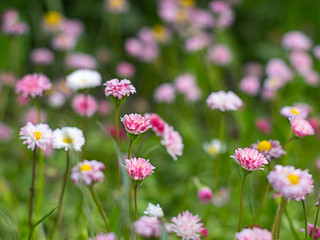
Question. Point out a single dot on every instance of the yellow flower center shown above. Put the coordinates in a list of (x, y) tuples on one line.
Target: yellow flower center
[(187, 3), (37, 135), (53, 18), (159, 32), (84, 80), (67, 140), (116, 3), (294, 179), (85, 167), (294, 111), (264, 145), (181, 16), (212, 150)]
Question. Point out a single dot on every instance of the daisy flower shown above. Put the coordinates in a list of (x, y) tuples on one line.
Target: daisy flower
[(83, 79), (148, 227), (33, 85), (88, 172), (69, 138), (249, 159), (138, 169), (173, 142), (214, 147), (224, 101), (254, 234), (119, 89), (270, 149), (154, 211)]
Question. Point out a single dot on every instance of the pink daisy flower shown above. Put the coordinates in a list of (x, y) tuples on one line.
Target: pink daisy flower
[(296, 40), (39, 135), (33, 85), (301, 127), (41, 56), (119, 89), (205, 195), (270, 149), (250, 159), (165, 93), (158, 124), (250, 85), (84, 105), (294, 112), (310, 231), (263, 125), (88, 172), (290, 182), (126, 70), (220, 55), (254, 234), (173, 142), (138, 169), (102, 236), (278, 68), (148, 227), (5, 132), (187, 226), (81, 60), (135, 124), (187, 85), (224, 101)]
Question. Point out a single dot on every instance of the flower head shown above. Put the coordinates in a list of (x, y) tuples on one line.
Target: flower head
[(41, 56), (147, 227), (220, 55), (135, 123), (221, 197), (81, 60), (254, 234), (270, 149), (154, 211), (205, 195), (310, 231), (224, 101), (88, 172), (138, 169), (250, 85), (172, 141), (187, 85), (263, 125), (5, 132), (214, 147), (290, 182), (126, 70), (102, 236), (249, 159), (39, 135), (294, 112), (296, 40), (301, 127), (69, 138), (187, 226), (84, 105), (165, 93), (119, 89), (158, 124), (33, 85), (83, 78)]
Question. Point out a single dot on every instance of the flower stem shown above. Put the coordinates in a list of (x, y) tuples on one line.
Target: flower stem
[(135, 200), (129, 150), (222, 119), (32, 187), (100, 208), (305, 220), (117, 124), (315, 222), (291, 225), (261, 203), (277, 222), (85, 126), (241, 199)]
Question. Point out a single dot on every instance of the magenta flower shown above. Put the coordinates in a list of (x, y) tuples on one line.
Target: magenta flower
[(310, 231), (172, 141), (158, 124), (135, 124), (253, 234), (187, 226), (84, 105), (224, 101), (205, 195), (88, 172), (33, 85), (301, 127), (138, 169), (119, 89), (250, 159), (148, 227), (270, 149)]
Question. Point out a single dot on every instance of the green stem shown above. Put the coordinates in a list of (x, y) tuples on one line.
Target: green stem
[(305, 220), (315, 222), (129, 150), (135, 200), (40, 184), (85, 126), (117, 124), (219, 160), (98, 203), (4, 102), (277, 222), (241, 199), (261, 202), (291, 225), (32, 187)]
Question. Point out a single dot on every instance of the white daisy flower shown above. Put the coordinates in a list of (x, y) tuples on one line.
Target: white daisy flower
[(214, 147), (69, 138), (83, 78), (154, 211)]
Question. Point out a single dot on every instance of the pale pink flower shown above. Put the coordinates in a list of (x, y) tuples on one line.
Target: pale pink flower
[(164, 93), (310, 231), (8, 78), (316, 51), (278, 68), (200, 19), (173, 142), (56, 99), (138, 168), (270, 149), (84, 105), (250, 159), (250, 85), (224, 101), (23, 100), (263, 126), (205, 195), (104, 107), (11, 25), (5, 132), (158, 124), (81, 60), (148, 227), (32, 116), (296, 40), (253, 69), (116, 6), (273, 84), (295, 111), (254, 234), (312, 78), (221, 197), (268, 93), (220, 55), (135, 123), (133, 47), (187, 85), (198, 42), (88, 172), (63, 42), (39, 135), (126, 70), (41, 56), (301, 127), (119, 89), (72, 27), (187, 226), (290, 182), (301, 61), (102, 236), (219, 6), (33, 85)]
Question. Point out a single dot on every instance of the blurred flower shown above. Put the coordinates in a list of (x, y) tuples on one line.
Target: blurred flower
[(273, 83), (63, 42), (5, 132), (224, 101), (290, 182), (125, 69), (270, 149), (39, 135), (198, 42), (268, 93), (318, 164), (263, 126), (310, 231), (156, 122), (32, 116), (84, 105), (112, 130), (116, 6), (316, 51), (205, 195), (173, 142), (220, 55), (147, 227), (41, 56), (200, 19), (254, 233), (301, 61), (250, 85), (104, 108), (88, 172), (164, 93), (72, 27), (187, 226), (33, 85), (214, 147), (135, 123), (223, 14), (52, 21), (8, 78), (278, 68), (138, 169), (119, 89), (161, 33), (69, 138), (11, 25), (187, 85), (294, 112), (253, 69), (221, 197), (23, 100), (312, 78), (102, 236), (296, 40), (249, 159), (56, 99), (154, 211), (301, 127), (204, 232), (80, 60), (83, 79)]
